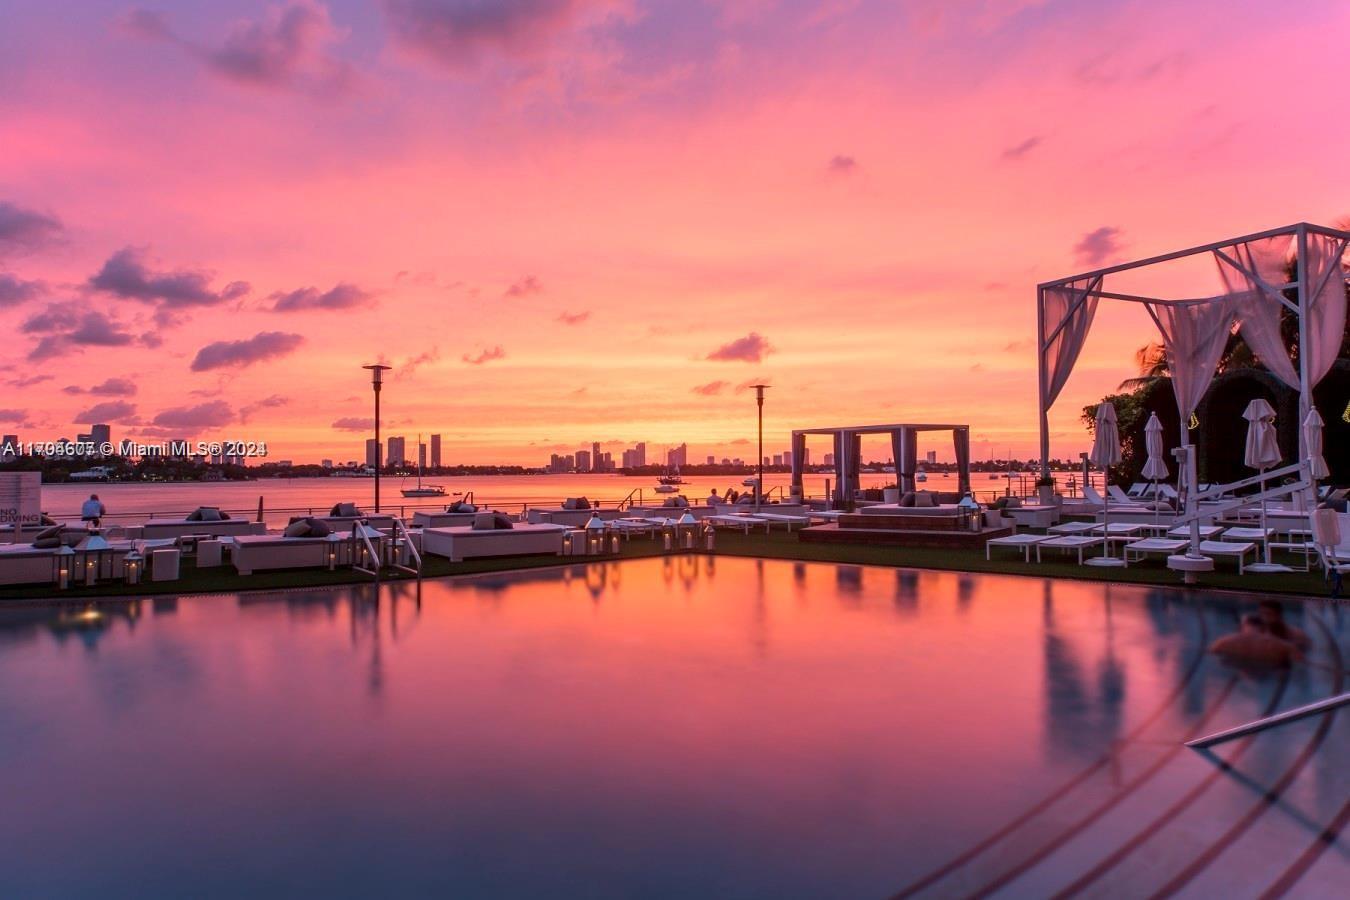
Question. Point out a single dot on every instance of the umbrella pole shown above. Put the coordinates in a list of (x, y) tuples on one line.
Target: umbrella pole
[(1265, 538)]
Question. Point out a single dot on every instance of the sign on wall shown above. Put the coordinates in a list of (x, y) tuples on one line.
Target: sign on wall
[(21, 498)]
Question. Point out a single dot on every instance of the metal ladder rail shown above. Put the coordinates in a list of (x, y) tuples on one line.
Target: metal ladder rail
[(370, 548), (402, 530), (1258, 725)]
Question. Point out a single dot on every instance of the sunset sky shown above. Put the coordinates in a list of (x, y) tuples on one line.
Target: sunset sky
[(574, 220)]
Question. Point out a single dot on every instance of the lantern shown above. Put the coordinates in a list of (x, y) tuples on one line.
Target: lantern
[(331, 550), (133, 563), (65, 560), (595, 535), (687, 525), (91, 551), (708, 539)]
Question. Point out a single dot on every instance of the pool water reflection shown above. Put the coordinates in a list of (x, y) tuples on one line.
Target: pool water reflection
[(662, 728)]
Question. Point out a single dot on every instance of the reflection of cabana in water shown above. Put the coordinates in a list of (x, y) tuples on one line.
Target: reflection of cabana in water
[(904, 448), (1253, 271)]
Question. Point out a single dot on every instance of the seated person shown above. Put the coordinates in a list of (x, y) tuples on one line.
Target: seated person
[(1253, 645), (1272, 617), (713, 499)]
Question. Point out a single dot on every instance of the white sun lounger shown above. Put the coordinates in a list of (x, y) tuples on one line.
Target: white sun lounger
[(1140, 549), (1243, 533), (1231, 549), (630, 527), (1024, 541), (1073, 528), (1206, 531), (745, 523), (1067, 542), (784, 519)]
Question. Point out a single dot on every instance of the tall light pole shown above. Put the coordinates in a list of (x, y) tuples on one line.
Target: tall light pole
[(376, 379), (759, 483)]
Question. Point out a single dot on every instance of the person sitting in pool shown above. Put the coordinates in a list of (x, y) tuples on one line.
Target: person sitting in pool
[(1253, 645), (1272, 617)]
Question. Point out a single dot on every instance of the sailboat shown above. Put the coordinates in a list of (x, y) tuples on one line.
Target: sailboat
[(428, 490)]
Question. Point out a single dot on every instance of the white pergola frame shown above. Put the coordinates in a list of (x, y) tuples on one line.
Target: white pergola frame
[(1298, 231)]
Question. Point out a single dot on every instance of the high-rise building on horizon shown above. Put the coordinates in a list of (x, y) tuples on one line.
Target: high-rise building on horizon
[(397, 454), (584, 460), (678, 456), (372, 453), (435, 451), (421, 455)]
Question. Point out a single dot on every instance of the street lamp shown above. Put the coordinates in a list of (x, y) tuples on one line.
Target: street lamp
[(759, 483), (376, 379)]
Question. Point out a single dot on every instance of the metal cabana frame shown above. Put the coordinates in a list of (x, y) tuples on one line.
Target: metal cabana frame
[(1304, 290), (904, 448)]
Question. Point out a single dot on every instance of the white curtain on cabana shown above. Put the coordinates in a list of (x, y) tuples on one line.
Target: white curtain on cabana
[(1067, 314), (1194, 335), (1325, 306), (1252, 273)]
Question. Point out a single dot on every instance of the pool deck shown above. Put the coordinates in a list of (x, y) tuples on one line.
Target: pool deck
[(777, 545)]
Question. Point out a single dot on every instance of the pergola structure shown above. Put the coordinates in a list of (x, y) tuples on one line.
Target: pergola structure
[(1253, 271), (904, 447)]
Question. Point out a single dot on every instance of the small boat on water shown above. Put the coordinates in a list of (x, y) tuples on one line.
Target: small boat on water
[(921, 477), (750, 482), (422, 490), (669, 483)]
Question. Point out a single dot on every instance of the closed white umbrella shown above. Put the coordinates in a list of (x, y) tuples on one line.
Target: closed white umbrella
[(1105, 454), (1155, 468), (1312, 437), (1262, 452)]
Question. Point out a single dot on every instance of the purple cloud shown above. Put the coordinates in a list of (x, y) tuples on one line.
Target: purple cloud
[(236, 354), (1019, 150), (711, 389), (1098, 246), (286, 49), (354, 423), (751, 348), (13, 415), (485, 356), (24, 381), (569, 318), (275, 401), (26, 229), (459, 34), (14, 290), (65, 326), (413, 363), (126, 275), (203, 415), (525, 287), (111, 411), (341, 296), (841, 164), (113, 387)]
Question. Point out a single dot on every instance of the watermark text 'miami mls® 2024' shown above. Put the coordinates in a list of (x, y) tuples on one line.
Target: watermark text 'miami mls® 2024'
[(171, 449)]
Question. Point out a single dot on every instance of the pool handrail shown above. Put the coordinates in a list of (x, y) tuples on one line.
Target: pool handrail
[(1268, 722)]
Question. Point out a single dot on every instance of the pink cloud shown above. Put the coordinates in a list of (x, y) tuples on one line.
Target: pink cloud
[(236, 354), (751, 348)]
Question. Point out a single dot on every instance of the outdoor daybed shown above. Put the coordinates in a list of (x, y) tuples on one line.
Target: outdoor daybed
[(574, 511), (463, 542), (454, 514), (203, 520)]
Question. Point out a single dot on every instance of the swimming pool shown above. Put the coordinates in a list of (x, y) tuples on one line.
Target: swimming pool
[(675, 727)]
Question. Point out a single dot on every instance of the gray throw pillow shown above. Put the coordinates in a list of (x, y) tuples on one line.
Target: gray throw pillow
[(502, 521), (907, 498), (298, 528), (47, 543), (1014, 502), (924, 499), (208, 514), (53, 532), (318, 528), (195, 515)]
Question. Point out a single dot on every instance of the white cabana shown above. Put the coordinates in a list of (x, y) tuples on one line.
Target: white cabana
[(904, 449), (1251, 272)]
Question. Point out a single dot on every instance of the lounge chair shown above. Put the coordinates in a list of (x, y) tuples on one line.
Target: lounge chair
[(1231, 549), (1206, 531), (774, 518), (460, 542), (1067, 542), (1140, 549), (1332, 544), (1073, 528), (1023, 541), (450, 517), (745, 523)]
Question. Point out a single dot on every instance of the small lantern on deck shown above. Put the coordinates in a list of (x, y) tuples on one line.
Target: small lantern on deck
[(668, 535), (65, 560), (708, 536), (595, 535), (331, 549), (971, 509), (614, 542), (687, 525), (133, 562), (91, 551)]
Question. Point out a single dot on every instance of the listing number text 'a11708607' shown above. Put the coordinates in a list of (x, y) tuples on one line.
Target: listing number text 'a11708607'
[(170, 449)]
